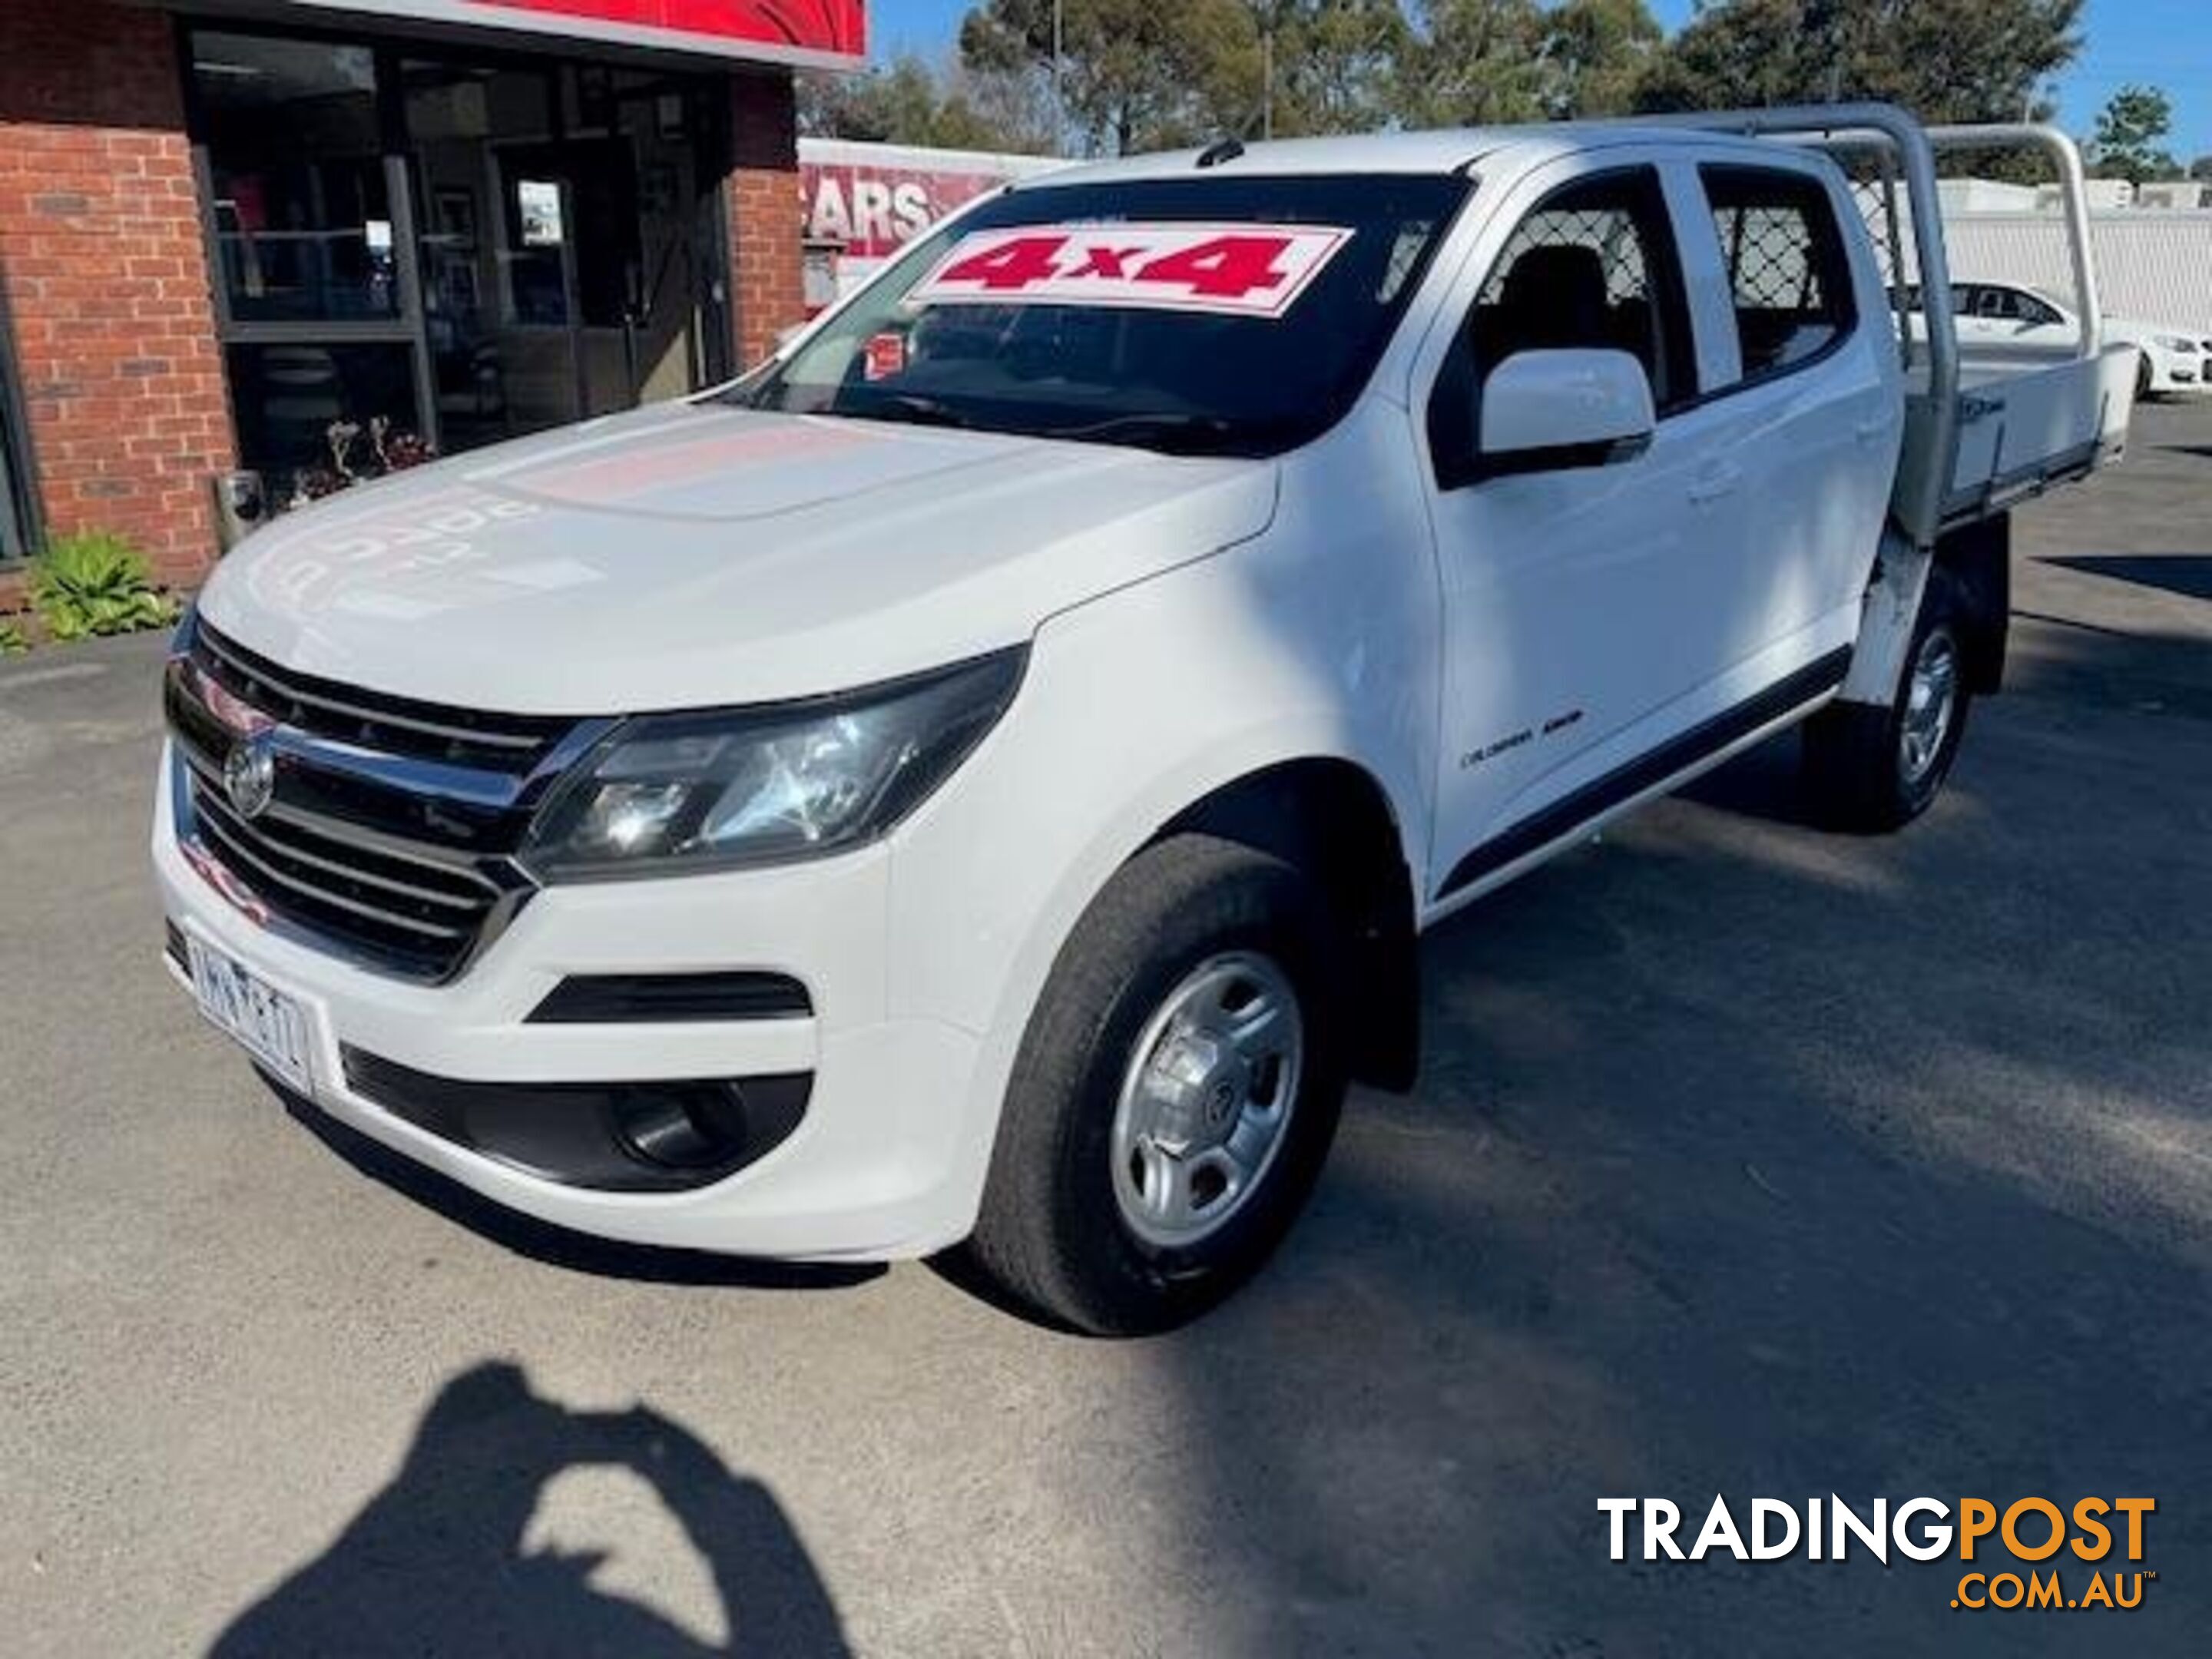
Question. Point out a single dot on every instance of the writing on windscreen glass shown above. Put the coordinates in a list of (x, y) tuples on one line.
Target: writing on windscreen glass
[(1246, 270)]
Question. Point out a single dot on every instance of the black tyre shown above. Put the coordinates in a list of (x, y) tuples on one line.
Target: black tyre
[(1176, 1093), (2143, 377), (1872, 770)]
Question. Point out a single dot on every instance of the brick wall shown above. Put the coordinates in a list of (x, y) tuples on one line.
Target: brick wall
[(106, 280), (766, 216)]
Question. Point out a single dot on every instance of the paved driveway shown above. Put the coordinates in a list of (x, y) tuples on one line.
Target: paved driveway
[(1747, 1160)]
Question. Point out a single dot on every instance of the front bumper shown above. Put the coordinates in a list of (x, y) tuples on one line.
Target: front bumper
[(884, 1161), (2175, 375)]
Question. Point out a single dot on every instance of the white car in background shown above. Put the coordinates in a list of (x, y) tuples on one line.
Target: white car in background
[(1995, 316)]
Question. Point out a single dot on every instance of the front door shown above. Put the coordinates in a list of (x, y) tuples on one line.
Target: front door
[(1565, 592)]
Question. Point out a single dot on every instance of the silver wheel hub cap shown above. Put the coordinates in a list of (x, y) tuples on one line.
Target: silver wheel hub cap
[(1206, 1099), (1931, 701)]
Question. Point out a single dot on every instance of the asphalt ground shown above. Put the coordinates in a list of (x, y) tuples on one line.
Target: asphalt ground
[(1747, 1160)]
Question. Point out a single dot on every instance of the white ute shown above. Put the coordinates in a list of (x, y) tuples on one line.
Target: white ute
[(978, 780)]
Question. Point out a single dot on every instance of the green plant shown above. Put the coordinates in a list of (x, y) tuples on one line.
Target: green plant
[(95, 582), (12, 642)]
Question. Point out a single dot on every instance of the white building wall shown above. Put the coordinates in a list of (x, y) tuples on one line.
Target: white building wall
[(2152, 266)]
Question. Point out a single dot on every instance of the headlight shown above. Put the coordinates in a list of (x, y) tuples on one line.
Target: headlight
[(665, 793), (2175, 343)]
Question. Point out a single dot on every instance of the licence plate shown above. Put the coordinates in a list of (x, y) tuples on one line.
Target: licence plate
[(268, 1024)]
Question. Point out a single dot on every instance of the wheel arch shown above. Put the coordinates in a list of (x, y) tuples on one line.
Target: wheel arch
[(1333, 818)]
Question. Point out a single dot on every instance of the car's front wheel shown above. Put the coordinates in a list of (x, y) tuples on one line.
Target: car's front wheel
[(1175, 1092)]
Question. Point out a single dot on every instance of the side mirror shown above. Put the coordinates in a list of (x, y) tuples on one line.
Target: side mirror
[(1547, 411)]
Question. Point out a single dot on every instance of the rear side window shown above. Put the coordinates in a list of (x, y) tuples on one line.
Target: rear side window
[(1786, 266), (2010, 304)]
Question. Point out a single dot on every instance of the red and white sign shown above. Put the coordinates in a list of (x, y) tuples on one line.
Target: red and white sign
[(871, 200), (872, 213), (827, 31), (1235, 270)]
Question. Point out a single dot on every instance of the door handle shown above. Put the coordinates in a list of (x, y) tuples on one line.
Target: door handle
[(1871, 428), (1714, 483)]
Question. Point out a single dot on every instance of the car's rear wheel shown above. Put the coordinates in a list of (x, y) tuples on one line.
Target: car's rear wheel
[(1176, 1093), (2142, 376), (1875, 770)]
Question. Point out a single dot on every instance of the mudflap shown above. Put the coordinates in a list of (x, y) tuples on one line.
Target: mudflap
[(1978, 560)]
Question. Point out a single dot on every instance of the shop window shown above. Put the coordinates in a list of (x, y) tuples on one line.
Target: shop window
[(459, 250), (301, 200), (309, 414)]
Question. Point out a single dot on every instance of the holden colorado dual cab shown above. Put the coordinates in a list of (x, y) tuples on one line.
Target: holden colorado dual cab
[(978, 780)]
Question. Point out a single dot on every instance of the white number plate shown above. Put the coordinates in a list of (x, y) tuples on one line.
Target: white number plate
[(270, 1026)]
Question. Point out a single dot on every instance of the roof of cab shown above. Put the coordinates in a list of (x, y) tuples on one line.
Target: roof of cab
[(1446, 150)]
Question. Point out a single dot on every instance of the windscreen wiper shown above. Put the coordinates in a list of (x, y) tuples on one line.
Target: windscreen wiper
[(1158, 424), (911, 407)]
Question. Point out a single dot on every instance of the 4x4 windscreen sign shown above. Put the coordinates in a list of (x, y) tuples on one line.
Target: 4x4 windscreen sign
[(788, 31), (1242, 270)]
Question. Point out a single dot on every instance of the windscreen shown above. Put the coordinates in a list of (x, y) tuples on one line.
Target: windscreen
[(1209, 315)]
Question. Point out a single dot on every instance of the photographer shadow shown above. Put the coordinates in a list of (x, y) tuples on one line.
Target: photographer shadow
[(435, 1563)]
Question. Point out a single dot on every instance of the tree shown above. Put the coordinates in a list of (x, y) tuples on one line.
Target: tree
[(1327, 66), (1945, 60), (2129, 129), (2200, 169), (1475, 62), (1597, 54), (1141, 73), (1135, 74), (910, 102)]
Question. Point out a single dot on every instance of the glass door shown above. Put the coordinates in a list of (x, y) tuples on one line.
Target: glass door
[(562, 208), (495, 292)]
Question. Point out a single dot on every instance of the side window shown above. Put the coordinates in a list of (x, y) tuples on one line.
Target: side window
[(1593, 264), (1787, 269)]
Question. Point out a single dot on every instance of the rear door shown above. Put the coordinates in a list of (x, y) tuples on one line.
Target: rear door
[(1804, 391)]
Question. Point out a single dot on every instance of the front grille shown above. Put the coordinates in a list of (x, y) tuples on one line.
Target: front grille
[(391, 832), (421, 919), (512, 743)]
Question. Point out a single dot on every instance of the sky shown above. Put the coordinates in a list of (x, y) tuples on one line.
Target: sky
[(2164, 43)]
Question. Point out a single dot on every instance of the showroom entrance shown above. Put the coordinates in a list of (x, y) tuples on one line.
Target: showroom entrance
[(412, 247)]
